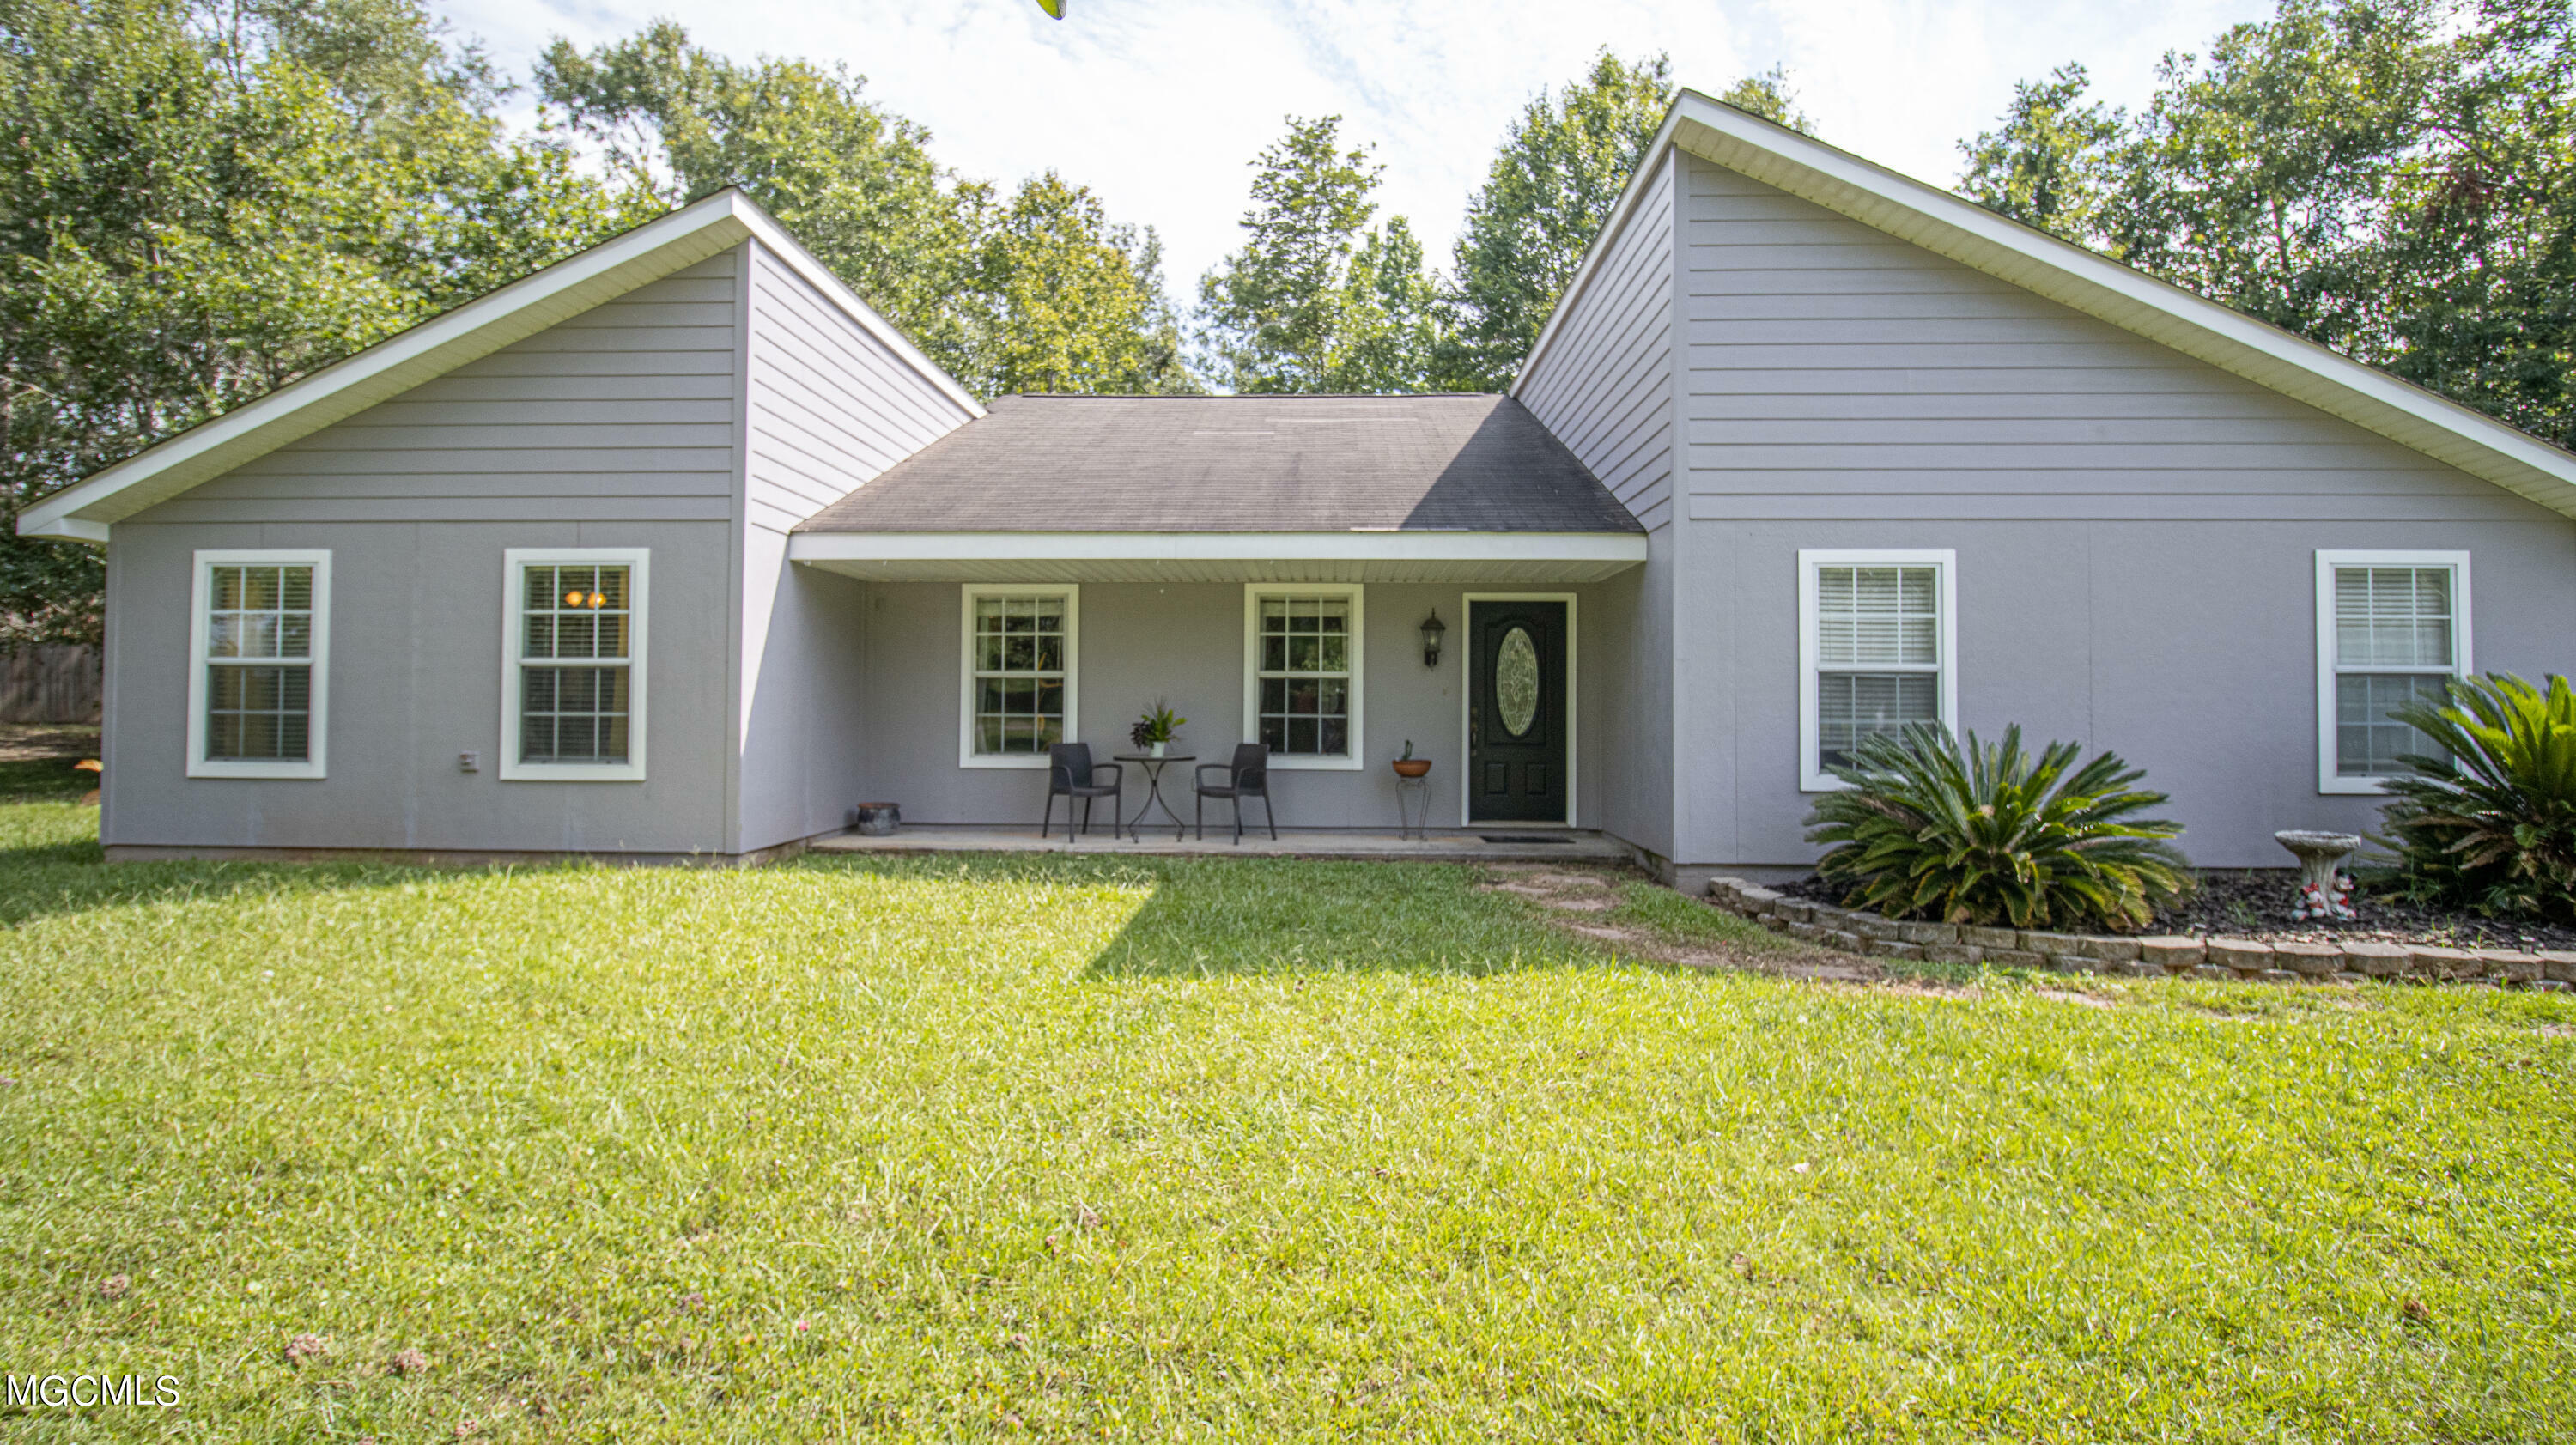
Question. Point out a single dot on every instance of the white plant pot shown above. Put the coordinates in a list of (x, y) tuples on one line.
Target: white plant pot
[(1157, 749)]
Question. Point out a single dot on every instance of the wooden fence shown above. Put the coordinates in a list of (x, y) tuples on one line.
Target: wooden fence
[(50, 685)]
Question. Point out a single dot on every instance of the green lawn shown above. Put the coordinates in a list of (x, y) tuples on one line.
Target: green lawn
[(1046, 1149)]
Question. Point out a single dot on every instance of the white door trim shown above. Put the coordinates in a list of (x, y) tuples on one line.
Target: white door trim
[(1467, 692)]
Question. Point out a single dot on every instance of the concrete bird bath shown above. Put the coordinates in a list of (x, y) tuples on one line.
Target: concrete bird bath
[(2323, 893)]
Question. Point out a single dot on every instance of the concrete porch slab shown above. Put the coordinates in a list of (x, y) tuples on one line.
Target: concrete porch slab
[(1444, 845)]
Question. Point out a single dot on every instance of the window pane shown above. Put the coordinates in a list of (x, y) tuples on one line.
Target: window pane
[(573, 714), (1853, 705), (2367, 740), (1875, 616), (1019, 662), (2393, 616), (258, 713)]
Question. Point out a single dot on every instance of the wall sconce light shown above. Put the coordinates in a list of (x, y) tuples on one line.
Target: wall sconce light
[(1432, 627)]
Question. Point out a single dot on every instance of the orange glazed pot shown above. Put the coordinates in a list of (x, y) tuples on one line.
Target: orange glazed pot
[(1412, 767)]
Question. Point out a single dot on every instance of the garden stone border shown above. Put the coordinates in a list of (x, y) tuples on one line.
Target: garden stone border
[(2171, 956)]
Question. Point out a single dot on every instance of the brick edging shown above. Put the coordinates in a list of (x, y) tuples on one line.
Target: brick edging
[(1853, 931)]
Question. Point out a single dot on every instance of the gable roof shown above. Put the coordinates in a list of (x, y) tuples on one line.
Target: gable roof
[(1952, 226), (82, 512), (1438, 463)]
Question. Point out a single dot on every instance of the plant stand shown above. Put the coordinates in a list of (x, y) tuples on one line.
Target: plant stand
[(1413, 806)]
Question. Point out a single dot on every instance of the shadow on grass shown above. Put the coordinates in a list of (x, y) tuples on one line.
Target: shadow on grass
[(51, 865), (1251, 917)]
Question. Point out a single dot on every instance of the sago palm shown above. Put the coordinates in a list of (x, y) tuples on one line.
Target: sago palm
[(1986, 834), (2490, 822)]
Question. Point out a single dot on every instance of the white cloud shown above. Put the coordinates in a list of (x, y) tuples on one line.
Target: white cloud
[(1159, 106)]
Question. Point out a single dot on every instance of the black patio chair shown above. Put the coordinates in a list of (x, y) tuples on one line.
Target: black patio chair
[(1248, 776), (1071, 774)]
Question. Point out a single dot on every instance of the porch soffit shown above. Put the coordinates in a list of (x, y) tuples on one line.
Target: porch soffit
[(1391, 556)]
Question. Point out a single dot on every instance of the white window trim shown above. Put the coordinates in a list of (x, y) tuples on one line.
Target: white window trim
[(317, 732), (1071, 592), (1357, 595), (2328, 780), (639, 587), (1467, 694), (1812, 779)]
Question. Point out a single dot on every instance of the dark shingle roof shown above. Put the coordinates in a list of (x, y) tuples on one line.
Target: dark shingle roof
[(1470, 463)]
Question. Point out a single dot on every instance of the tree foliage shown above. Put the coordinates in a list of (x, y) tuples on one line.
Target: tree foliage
[(204, 205), (2393, 178), (1313, 302), (1067, 301), (1561, 168)]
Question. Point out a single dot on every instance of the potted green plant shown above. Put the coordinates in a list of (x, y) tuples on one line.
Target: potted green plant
[(1155, 729), (1410, 766)]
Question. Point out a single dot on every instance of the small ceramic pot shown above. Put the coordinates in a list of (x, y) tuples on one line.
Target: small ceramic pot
[(1412, 767)]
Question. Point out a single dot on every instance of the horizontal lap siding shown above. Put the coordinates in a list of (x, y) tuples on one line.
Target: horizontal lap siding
[(832, 406), (1604, 383), (622, 412), (2136, 531), (829, 406), (1835, 372)]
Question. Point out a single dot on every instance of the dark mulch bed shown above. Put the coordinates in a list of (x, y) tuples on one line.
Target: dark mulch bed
[(2256, 902)]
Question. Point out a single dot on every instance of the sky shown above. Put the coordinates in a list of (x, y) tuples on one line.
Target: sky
[(1159, 107)]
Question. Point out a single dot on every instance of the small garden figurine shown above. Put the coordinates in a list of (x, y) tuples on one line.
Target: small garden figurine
[(1154, 730)]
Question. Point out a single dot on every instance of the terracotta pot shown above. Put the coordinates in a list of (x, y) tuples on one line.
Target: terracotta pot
[(1412, 767)]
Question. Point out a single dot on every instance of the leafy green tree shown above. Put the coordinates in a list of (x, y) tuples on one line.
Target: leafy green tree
[(856, 184), (196, 215), (1073, 303), (1561, 168), (2048, 163), (2393, 178), (1311, 303), (1767, 94)]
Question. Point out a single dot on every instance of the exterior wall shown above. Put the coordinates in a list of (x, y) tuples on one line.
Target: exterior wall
[(615, 427), (2136, 531), (828, 407), (1606, 385), (1183, 643)]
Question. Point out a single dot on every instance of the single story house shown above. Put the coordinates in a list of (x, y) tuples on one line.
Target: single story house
[(678, 548)]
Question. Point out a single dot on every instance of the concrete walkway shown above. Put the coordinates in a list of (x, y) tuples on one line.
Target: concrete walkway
[(1447, 845)]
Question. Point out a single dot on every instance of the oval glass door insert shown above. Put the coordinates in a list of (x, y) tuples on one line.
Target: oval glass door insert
[(1516, 681)]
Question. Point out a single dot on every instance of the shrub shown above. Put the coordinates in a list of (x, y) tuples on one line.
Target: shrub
[(1985, 834), (2491, 823)]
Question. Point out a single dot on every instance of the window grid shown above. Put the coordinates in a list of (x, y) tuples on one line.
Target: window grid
[(2395, 641), (1305, 675), (1878, 652), (259, 660), (575, 714), (1019, 656)]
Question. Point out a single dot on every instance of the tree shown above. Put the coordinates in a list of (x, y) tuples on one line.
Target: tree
[(1767, 94), (2048, 163), (1072, 302), (196, 215), (1561, 168), (857, 185), (2393, 178), (1294, 311)]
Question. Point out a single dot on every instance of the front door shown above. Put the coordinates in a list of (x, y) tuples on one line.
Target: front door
[(1516, 712)]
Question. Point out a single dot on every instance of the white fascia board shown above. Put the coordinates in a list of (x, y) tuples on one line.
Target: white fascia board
[(82, 512), (1952, 226), (1405, 546)]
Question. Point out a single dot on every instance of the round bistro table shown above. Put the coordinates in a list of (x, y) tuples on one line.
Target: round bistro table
[(1153, 767)]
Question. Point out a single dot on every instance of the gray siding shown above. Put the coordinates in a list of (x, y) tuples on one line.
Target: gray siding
[(2136, 531), (1604, 382), (828, 408), (613, 428), (625, 411), (1606, 385)]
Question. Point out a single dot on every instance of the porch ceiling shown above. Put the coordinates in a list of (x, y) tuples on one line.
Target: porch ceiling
[(1386, 556)]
